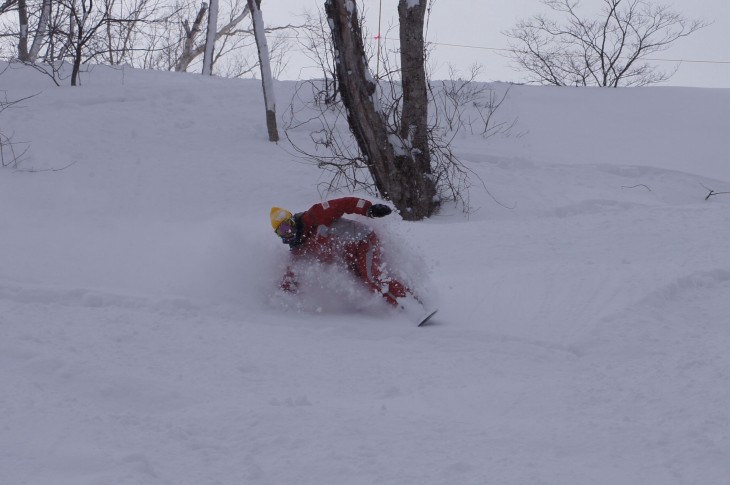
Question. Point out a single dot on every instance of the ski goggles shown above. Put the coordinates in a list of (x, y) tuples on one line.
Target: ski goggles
[(286, 229)]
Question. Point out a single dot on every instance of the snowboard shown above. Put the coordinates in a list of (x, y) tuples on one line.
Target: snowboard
[(425, 320), (416, 310)]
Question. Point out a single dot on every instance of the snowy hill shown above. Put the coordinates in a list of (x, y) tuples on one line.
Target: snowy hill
[(583, 328)]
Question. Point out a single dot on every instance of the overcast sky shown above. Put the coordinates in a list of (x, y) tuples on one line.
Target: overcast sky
[(481, 23)]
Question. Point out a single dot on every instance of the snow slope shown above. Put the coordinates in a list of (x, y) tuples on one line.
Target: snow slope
[(582, 336)]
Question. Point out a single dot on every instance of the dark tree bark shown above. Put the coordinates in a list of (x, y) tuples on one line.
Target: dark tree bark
[(398, 171), (187, 55), (23, 40), (414, 119)]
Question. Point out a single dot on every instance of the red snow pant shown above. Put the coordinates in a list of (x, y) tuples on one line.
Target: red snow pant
[(364, 258)]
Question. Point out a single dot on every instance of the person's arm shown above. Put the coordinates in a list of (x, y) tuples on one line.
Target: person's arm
[(328, 212)]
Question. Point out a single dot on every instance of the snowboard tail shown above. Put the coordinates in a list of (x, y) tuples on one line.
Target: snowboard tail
[(416, 310), (426, 319)]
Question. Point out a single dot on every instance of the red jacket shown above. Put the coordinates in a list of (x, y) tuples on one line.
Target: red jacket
[(322, 233)]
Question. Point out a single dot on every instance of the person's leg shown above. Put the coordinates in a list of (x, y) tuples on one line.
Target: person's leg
[(368, 266)]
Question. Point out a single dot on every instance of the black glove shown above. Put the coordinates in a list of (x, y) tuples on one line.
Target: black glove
[(379, 210)]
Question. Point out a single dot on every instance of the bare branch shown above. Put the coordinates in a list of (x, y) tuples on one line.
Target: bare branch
[(712, 192), (608, 51), (35, 170)]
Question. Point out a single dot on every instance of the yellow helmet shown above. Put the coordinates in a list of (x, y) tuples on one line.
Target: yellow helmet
[(279, 215)]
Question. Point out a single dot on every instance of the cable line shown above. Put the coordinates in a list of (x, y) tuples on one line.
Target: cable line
[(467, 46)]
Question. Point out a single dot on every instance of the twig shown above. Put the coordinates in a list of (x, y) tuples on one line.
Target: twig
[(33, 170), (638, 185), (712, 192)]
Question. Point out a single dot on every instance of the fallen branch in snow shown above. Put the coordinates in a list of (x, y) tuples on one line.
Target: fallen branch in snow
[(638, 185), (8, 155), (712, 192), (33, 170)]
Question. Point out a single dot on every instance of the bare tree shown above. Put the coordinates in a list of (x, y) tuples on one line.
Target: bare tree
[(193, 50), (396, 163), (608, 51), (129, 21), (86, 22), (88, 30), (157, 34), (23, 37), (316, 43), (462, 103), (454, 105), (41, 31), (189, 51), (32, 16)]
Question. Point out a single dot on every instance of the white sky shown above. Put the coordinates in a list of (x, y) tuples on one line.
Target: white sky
[(480, 23)]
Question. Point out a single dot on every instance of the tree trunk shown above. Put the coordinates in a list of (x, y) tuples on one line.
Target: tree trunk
[(41, 32), (396, 173), (23, 40), (190, 51), (190, 33), (78, 51), (77, 38), (210, 38), (414, 119), (267, 80)]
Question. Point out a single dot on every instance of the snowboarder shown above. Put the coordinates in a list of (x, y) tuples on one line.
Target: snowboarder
[(322, 234)]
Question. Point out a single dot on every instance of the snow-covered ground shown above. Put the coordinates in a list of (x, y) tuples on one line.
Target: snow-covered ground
[(584, 319)]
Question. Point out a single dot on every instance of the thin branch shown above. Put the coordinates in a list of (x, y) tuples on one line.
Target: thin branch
[(712, 192), (635, 186), (33, 170)]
